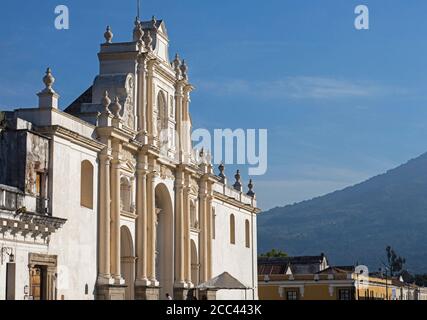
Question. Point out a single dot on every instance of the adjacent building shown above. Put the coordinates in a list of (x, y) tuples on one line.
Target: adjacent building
[(311, 278)]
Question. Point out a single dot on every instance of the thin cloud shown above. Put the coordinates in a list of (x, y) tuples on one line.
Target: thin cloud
[(299, 87)]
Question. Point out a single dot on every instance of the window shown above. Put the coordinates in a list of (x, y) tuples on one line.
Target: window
[(247, 234), (232, 229), (86, 185), (344, 294), (291, 295), (39, 184)]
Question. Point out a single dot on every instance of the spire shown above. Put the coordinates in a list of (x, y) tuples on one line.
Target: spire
[(108, 35), (238, 184), (48, 98), (138, 8), (250, 192)]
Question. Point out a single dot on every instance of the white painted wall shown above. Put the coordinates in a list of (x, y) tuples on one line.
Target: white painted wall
[(236, 259), (76, 242)]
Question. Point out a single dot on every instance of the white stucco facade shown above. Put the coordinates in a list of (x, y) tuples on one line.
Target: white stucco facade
[(129, 209)]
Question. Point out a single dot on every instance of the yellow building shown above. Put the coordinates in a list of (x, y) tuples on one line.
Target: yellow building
[(287, 279)]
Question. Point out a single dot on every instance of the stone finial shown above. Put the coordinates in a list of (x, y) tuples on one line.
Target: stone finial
[(221, 174), (48, 80), (108, 35), (138, 33), (238, 184), (116, 107), (202, 155), (154, 22), (250, 192), (184, 70), (176, 63), (48, 98), (148, 40), (106, 101)]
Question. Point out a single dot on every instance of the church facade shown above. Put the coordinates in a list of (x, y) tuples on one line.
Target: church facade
[(108, 200)]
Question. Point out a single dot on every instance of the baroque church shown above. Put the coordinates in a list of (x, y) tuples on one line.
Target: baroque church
[(106, 199)]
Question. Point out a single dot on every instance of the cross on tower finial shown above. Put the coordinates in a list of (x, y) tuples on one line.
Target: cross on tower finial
[(138, 8)]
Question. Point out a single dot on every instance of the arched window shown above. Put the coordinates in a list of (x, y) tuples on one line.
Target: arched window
[(232, 229), (247, 234), (125, 194), (86, 184)]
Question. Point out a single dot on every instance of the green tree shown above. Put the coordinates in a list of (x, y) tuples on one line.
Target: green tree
[(395, 263), (273, 253)]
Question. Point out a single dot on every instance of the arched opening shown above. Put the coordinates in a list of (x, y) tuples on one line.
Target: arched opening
[(232, 229), (194, 264), (247, 234), (86, 184), (164, 240), (125, 194), (127, 261)]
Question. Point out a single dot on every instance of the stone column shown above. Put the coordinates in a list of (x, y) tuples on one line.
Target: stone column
[(104, 220), (142, 100), (150, 99), (187, 233), (186, 128), (209, 232), (151, 204), (141, 223), (179, 236), (203, 232), (179, 117), (115, 221)]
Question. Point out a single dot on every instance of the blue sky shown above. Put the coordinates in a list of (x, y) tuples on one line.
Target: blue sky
[(340, 105)]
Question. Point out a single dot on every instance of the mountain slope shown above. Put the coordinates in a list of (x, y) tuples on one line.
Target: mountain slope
[(357, 223)]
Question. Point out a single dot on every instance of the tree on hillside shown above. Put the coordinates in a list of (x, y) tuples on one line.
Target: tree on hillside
[(273, 253), (395, 263)]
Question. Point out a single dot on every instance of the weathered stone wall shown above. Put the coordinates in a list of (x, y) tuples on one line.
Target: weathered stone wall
[(22, 155), (37, 159), (12, 158)]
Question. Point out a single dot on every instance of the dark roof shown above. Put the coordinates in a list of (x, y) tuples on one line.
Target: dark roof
[(85, 97), (292, 260), (279, 265), (337, 269), (149, 24)]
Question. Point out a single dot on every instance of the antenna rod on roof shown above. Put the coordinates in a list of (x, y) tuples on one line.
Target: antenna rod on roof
[(138, 7)]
